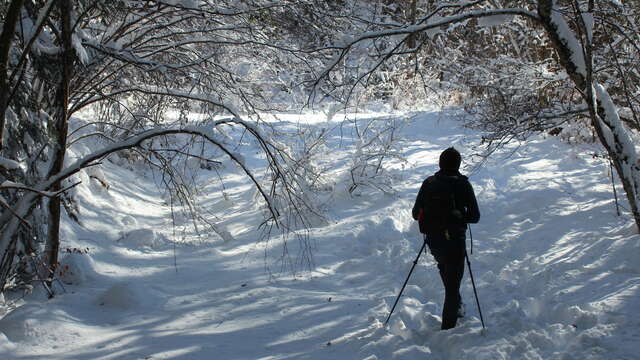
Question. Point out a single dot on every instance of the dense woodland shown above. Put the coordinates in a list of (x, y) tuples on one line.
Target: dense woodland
[(150, 73)]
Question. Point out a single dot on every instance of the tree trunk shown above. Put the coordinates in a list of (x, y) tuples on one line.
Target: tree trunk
[(614, 137), (413, 11), (604, 119), (60, 129), (6, 38)]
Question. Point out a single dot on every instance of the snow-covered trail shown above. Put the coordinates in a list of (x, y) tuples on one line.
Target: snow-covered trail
[(555, 269)]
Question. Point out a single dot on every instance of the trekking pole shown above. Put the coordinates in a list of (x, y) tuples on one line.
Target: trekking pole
[(424, 244), (471, 236), (475, 292)]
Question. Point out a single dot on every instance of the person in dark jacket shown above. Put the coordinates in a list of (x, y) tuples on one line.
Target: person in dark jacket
[(447, 244)]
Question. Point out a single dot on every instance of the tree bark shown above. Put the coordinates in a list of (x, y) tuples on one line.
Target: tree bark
[(413, 11), (6, 39), (60, 128)]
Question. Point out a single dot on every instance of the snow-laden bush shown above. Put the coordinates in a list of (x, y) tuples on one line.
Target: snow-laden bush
[(76, 268), (377, 146)]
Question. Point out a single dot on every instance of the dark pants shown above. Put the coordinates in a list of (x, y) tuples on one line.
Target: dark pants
[(449, 254)]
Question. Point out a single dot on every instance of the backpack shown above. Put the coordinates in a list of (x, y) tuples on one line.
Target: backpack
[(438, 206)]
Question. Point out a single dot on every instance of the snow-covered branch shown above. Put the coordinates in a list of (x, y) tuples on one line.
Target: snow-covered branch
[(439, 23), (26, 202), (618, 140), (205, 98), (50, 194)]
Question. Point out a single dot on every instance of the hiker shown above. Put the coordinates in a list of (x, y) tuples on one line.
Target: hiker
[(444, 205)]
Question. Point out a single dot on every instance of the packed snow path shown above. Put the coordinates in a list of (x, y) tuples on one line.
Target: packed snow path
[(556, 270)]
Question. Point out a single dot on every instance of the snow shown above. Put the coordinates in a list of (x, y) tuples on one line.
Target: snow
[(81, 52), (141, 238), (76, 268), (556, 269), (6, 346), (126, 296), (9, 164), (570, 40), (618, 138), (588, 20), (96, 173), (495, 20)]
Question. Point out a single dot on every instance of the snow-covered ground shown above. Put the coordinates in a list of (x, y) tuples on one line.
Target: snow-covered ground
[(557, 271)]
